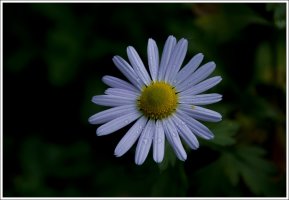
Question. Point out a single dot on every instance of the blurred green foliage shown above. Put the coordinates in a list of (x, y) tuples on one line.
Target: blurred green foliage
[(55, 56)]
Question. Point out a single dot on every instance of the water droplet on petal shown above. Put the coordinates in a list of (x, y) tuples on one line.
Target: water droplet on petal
[(174, 134), (145, 141), (159, 140)]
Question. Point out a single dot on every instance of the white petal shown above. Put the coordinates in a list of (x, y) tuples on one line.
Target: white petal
[(110, 114), (122, 93), (198, 76), (153, 58), (196, 127), (110, 100), (130, 137), (189, 68), (118, 123), (118, 83), (128, 71), (167, 51), (159, 143), (203, 86), (176, 60), (174, 139), (144, 143), (186, 133), (201, 99), (138, 65), (201, 113)]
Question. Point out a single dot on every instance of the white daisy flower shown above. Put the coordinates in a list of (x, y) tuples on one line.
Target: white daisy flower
[(164, 104)]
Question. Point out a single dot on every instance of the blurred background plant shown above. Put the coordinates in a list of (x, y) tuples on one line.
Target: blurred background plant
[(55, 56)]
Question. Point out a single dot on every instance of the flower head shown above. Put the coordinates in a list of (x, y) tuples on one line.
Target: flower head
[(164, 104)]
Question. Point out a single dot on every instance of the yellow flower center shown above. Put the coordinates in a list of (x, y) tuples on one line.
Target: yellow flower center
[(158, 100)]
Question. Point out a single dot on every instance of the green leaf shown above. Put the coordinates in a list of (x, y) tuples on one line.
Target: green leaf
[(62, 56), (61, 13), (281, 62), (244, 162), (264, 63), (253, 157), (224, 132), (257, 182), (20, 58), (255, 170), (230, 167), (279, 10), (227, 20), (212, 181)]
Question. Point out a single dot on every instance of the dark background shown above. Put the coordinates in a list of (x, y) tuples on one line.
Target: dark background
[(55, 56)]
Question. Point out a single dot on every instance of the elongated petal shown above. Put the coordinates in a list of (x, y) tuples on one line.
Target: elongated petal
[(167, 51), (122, 93), (196, 127), (174, 139), (186, 133), (153, 58), (201, 99), (118, 123), (138, 65), (110, 114), (159, 142), (130, 137), (176, 59), (189, 68), (201, 113), (203, 86), (127, 71), (144, 143), (198, 76), (110, 100), (118, 83)]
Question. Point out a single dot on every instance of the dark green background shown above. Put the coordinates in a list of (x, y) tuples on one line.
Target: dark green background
[(55, 56)]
